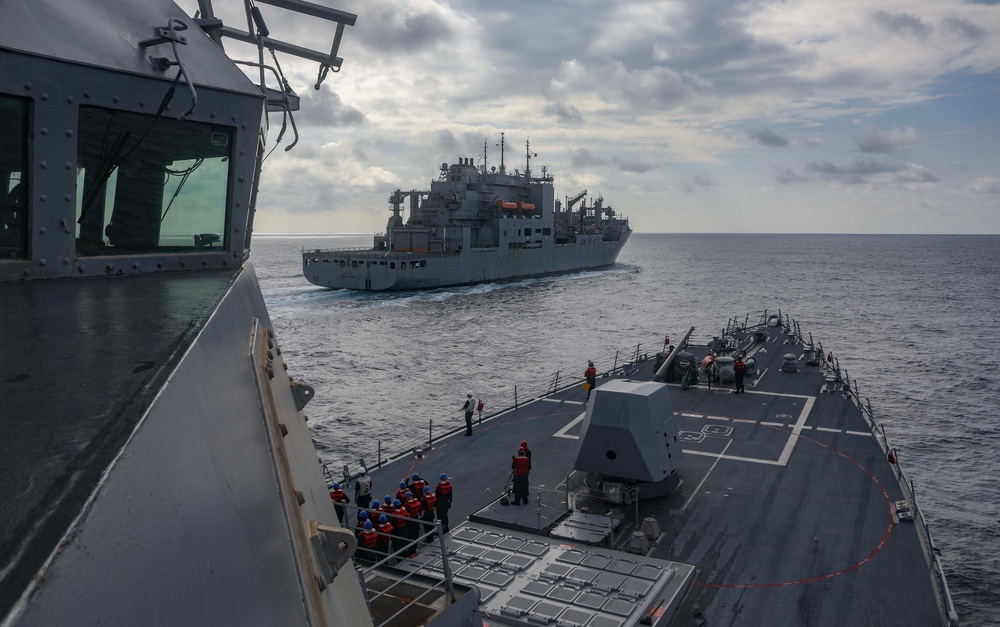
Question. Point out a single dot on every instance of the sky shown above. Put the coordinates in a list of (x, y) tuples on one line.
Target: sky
[(688, 116)]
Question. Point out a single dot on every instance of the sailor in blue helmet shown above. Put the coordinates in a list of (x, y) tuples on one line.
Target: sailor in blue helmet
[(399, 527), (401, 492)]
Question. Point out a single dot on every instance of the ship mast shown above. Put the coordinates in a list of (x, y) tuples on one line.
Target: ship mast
[(503, 169), (485, 168), (527, 159)]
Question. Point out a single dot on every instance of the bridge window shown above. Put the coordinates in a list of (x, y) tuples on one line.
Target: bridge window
[(150, 184), (13, 177)]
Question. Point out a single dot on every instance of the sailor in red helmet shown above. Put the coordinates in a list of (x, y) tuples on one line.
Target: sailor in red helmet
[(339, 500), (527, 451), (591, 376), (443, 494), (521, 465)]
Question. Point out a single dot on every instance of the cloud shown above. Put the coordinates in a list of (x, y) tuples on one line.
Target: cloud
[(767, 137), (581, 158), (875, 141), (963, 28), (986, 185), (903, 24), (566, 113), (700, 180), (632, 164), (325, 108), (786, 176), (393, 28), (868, 171)]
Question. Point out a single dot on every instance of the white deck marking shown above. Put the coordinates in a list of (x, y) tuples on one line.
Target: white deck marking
[(773, 424), (557, 401), (735, 458), (759, 377), (717, 418), (693, 415), (575, 402), (562, 432), (828, 429), (796, 429), (702, 482), (857, 432)]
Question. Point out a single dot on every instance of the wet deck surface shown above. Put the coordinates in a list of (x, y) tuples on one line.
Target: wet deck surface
[(785, 506)]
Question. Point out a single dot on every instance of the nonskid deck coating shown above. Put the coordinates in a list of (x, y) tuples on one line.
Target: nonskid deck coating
[(785, 506)]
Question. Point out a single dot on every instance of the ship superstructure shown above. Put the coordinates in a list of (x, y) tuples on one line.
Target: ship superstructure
[(477, 224), (155, 463)]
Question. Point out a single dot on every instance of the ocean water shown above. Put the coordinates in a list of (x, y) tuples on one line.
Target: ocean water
[(913, 320)]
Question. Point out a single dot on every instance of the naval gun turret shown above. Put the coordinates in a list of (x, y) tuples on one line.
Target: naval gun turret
[(628, 444)]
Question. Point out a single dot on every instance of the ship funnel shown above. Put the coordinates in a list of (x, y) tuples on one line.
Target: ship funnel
[(630, 433)]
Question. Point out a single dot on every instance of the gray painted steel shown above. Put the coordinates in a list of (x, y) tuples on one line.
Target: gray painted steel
[(629, 433), (156, 467), (475, 226), (787, 505)]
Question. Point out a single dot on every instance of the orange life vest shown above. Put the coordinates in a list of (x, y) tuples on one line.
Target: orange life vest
[(368, 538), (386, 529), (337, 495)]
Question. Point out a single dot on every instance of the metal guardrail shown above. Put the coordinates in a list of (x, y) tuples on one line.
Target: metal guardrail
[(423, 438), (431, 530), (931, 552)]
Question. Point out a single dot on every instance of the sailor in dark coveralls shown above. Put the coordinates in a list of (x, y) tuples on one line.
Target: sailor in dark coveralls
[(469, 408), (521, 465)]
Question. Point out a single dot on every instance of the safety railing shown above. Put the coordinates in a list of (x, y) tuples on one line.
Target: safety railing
[(421, 439), (370, 560)]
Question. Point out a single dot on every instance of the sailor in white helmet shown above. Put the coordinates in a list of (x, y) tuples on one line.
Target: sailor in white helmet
[(363, 487), (469, 408)]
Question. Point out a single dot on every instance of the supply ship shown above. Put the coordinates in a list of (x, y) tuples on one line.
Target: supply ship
[(157, 465), (477, 224)]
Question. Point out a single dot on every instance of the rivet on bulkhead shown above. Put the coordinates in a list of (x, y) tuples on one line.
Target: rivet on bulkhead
[(27, 85), (41, 262), (115, 99), (68, 165), (70, 99), (65, 261), (69, 133), (110, 267), (42, 230), (44, 131), (43, 164), (45, 96), (135, 265), (142, 103), (86, 94)]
